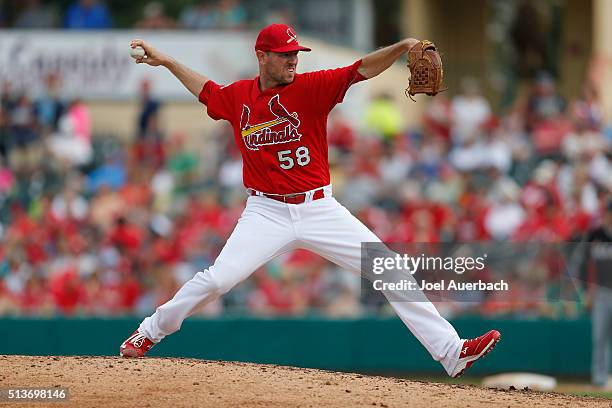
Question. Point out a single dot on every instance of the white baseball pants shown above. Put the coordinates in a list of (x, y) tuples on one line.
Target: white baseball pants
[(268, 228)]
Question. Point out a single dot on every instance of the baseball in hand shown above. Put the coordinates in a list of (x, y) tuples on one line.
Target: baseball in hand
[(137, 52)]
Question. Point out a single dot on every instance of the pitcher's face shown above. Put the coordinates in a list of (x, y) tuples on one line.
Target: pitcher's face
[(278, 66)]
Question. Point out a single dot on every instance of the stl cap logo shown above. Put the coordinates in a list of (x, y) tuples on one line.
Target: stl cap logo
[(292, 35)]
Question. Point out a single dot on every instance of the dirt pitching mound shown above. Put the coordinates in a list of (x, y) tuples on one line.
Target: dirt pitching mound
[(163, 382)]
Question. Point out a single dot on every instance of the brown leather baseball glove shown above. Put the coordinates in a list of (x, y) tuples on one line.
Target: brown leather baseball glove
[(426, 73)]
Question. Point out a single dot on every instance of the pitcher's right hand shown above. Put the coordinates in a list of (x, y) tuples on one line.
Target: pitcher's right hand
[(152, 56)]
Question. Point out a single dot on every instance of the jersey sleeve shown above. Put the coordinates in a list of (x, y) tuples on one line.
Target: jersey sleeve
[(330, 86), (218, 100)]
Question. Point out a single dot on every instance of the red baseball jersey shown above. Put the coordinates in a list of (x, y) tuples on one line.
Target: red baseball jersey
[(282, 131)]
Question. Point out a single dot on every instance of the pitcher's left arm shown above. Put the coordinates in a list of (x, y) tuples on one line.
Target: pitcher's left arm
[(379, 60)]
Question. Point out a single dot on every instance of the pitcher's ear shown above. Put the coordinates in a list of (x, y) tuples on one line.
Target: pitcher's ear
[(261, 55)]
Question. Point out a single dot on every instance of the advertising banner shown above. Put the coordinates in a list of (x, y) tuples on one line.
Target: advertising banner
[(96, 65)]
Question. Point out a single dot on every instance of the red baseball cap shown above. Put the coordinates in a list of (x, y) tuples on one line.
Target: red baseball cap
[(278, 38)]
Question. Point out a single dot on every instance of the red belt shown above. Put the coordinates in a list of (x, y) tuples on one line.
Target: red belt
[(298, 198)]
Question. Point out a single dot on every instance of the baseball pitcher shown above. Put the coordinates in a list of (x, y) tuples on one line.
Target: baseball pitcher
[(279, 122)]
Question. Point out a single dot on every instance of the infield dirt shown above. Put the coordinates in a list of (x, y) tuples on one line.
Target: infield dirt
[(110, 382)]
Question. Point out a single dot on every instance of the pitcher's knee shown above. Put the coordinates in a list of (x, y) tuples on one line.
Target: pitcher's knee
[(223, 284), (225, 278)]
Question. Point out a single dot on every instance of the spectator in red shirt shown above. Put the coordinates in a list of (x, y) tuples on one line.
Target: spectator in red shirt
[(127, 237), (67, 290)]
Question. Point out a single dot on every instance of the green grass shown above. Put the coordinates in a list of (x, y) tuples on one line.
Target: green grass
[(598, 394), (572, 386)]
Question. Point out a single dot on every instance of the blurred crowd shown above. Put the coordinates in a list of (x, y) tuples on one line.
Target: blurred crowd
[(97, 15), (91, 225)]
